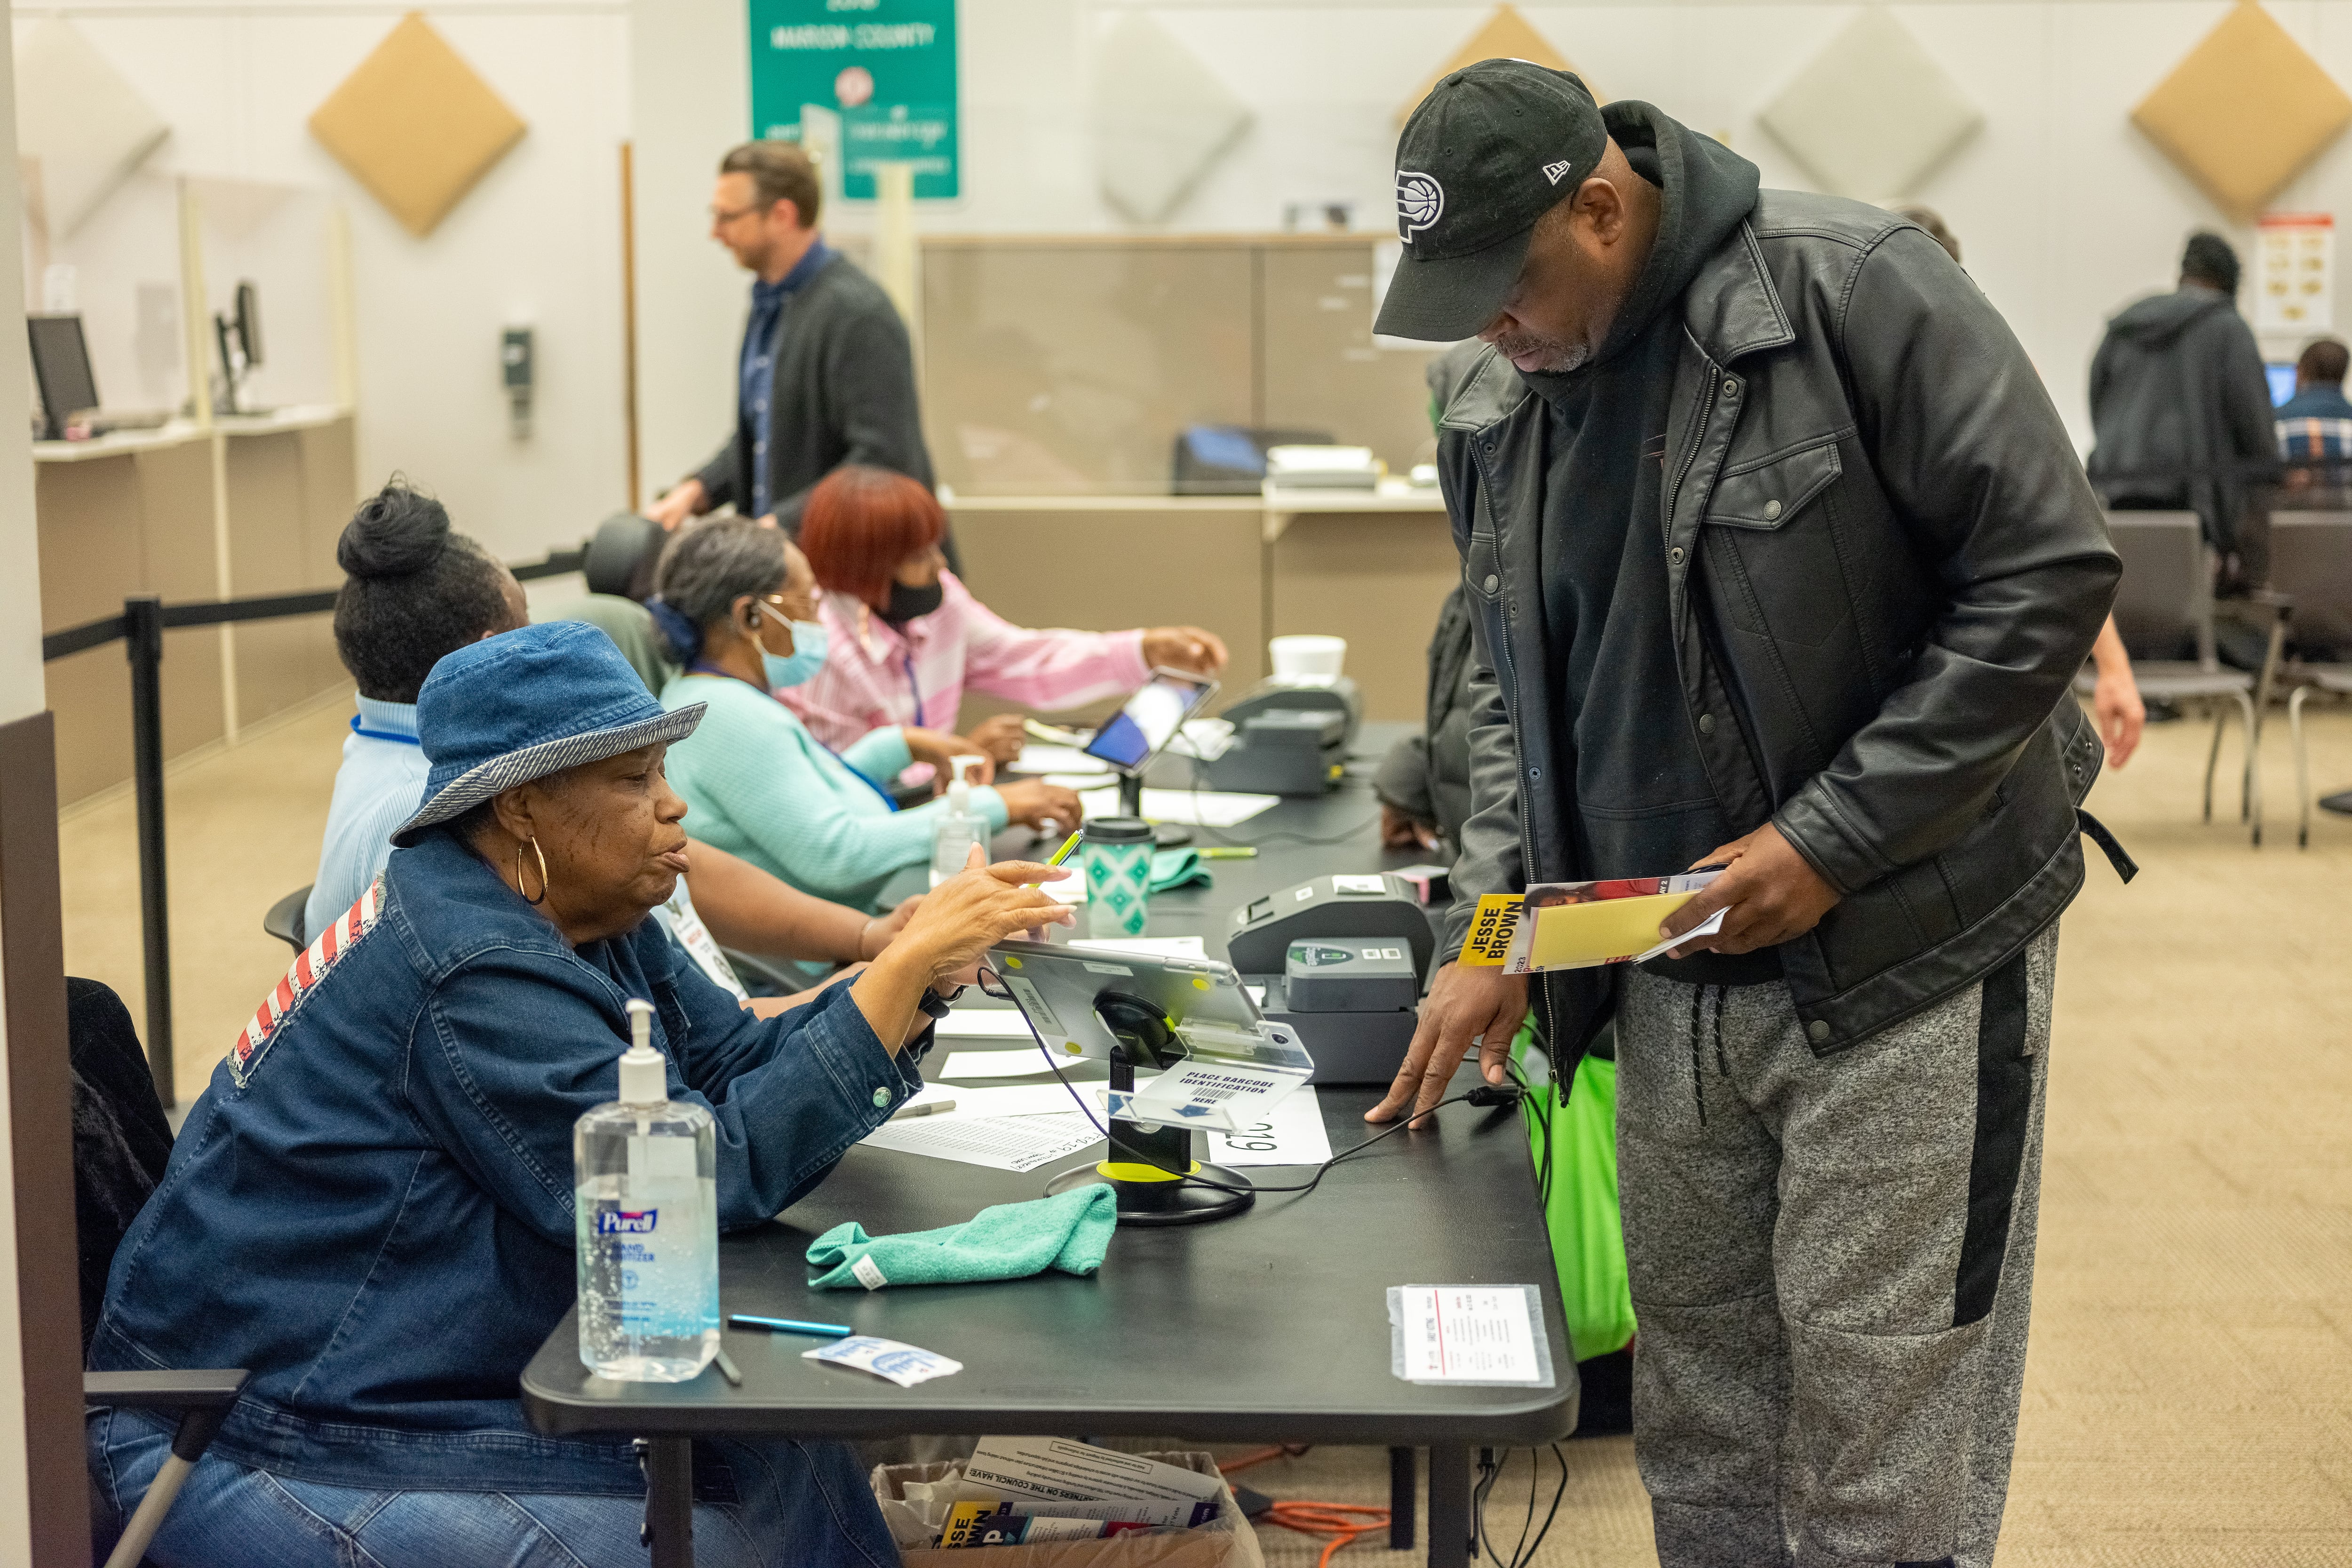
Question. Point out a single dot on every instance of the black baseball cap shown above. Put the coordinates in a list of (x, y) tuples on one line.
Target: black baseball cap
[(1489, 150)]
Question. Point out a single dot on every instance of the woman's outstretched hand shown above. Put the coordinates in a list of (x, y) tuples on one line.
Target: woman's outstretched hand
[(979, 907)]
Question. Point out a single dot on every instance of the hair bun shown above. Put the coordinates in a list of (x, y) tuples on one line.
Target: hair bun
[(396, 532)]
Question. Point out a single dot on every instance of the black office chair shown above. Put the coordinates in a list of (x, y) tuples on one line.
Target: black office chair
[(284, 918), (122, 1140)]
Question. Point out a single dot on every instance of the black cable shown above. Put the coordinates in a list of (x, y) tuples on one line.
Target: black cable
[(1518, 1552), (1550, 1514), (1194, 1177)]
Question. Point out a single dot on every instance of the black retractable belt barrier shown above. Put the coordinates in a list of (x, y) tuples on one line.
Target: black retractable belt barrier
[(140, 626)]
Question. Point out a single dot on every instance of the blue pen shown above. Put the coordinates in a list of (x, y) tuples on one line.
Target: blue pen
[(791, 1326)]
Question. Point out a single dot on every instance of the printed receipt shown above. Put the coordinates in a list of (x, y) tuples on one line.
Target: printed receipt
[(1481, 1334)]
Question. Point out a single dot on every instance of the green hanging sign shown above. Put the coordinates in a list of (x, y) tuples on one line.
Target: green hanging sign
[(887, 67)]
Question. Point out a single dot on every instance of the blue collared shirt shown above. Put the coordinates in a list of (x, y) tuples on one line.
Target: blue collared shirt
[(379, 786), (2315, 425), (758, 364)]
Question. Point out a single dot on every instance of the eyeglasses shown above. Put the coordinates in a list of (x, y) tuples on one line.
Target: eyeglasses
[(720, 216)]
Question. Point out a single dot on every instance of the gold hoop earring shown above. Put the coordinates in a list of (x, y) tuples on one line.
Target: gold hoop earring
[(535, 849)]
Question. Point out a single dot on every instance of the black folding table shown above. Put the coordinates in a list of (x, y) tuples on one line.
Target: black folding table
[(1268, 1327)]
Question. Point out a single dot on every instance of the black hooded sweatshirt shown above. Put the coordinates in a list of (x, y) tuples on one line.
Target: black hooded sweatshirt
[(2181, 412), (1644, 805)]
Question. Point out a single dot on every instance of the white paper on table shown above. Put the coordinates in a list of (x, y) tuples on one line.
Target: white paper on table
[(1208, 807), (1289, 1134), (1037, 757), (1481, 1334), (1019, 1143), (983, 1023), (1082, 782), (1209, 1094), (993, 1064), (1151, 946), (991, 1099), (1256, 994)]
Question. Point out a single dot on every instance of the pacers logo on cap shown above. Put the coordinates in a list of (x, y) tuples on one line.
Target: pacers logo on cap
[(1420, 199)]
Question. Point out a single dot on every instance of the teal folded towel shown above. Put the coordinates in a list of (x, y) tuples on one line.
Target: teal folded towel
[(1010, 1241), (1178, 868)]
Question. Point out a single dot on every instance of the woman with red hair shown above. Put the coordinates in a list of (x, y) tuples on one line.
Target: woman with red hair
[(905, 638)]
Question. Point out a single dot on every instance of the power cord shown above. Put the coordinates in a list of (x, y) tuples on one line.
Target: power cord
[(1490, 1470), (1484, 1094)]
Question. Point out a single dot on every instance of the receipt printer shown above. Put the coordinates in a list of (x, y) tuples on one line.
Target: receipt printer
[(1288, 739), (1340, 960)]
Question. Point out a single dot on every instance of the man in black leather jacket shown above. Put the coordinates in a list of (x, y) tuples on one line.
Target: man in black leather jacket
[(1779, 558)]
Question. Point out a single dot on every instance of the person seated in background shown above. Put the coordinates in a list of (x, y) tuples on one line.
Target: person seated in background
[(417, 591), (371, 1206), (739, 604), (2315, 425), (905, 638)]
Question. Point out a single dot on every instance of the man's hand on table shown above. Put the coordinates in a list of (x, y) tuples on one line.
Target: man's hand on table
[(1465, 1003), (1769, 893)]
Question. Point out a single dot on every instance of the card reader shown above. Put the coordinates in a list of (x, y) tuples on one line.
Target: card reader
[(1353, 1012)]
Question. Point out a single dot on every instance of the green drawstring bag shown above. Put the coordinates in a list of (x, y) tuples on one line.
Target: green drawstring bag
[(1587, 1238)]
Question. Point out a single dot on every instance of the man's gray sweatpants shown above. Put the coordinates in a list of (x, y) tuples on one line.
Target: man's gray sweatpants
[(1832, 1262)]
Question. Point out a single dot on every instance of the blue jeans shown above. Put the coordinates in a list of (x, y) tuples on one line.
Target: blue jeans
[(796, 1503)]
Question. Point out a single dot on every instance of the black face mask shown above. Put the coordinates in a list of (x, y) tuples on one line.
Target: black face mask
[(912, 603)]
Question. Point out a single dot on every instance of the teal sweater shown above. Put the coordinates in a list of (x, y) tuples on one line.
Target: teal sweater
[(758, 784)]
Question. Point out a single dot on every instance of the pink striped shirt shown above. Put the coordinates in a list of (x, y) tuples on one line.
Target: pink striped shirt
[(874, 675)]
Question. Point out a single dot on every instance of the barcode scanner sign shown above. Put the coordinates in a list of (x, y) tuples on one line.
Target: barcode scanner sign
[(1224, 1096)]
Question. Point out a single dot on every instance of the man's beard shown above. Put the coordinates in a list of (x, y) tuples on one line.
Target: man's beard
[(1554, 356)]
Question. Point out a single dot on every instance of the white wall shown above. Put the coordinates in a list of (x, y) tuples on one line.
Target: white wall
[(2065, 212), (537, 242)]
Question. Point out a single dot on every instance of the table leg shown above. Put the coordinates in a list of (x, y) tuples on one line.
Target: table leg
[(669, 1502), (1449, 1508), (1403, 1476)]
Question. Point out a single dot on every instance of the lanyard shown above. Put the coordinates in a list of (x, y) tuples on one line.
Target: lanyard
[(359, 729), (915, 687)]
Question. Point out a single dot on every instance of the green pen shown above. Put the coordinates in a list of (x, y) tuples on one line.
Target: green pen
[(1228, 852), (1064, 852)]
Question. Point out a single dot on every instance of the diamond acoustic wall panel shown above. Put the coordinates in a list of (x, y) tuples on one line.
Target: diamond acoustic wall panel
[(415, 125), (1504, 35), (75, 114), (1871, 114), (1161, 118), (2246, 110)]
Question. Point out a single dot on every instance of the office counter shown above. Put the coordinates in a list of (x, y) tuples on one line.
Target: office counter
[(1369, 566), (252, 505)]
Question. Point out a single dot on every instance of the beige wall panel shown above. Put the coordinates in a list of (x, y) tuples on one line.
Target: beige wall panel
[(1063, 367), (175, 522), (89, 692), (1377, 580), (1320, 369), (88, 520), (267, 549), (175, 527), (330, 483), (1197, 565)]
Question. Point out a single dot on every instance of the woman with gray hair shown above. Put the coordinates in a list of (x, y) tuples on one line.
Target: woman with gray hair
[(737, 602)]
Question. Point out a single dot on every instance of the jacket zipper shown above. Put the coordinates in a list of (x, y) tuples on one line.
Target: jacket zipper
[(1690, 457), (1511, 704)]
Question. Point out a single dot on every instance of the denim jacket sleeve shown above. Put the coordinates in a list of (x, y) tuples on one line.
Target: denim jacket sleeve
[(514, 1044)]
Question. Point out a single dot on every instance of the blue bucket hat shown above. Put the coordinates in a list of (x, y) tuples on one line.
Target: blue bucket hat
[(527, 703)]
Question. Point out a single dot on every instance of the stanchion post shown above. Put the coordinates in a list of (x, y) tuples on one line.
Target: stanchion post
[(143, 621)]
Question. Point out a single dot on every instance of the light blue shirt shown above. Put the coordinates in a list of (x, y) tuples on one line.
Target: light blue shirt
[(379, 786)]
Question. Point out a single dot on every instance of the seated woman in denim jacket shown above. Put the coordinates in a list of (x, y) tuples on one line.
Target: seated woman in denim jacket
[(371, 1206)]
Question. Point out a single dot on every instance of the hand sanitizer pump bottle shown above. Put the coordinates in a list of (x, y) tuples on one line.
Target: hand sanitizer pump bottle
[(646, 1204), (960, 828)]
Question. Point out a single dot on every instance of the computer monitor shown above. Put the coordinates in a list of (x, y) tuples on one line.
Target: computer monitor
[(62, 370), (248, 321), (1149, 720), (2280, 374)]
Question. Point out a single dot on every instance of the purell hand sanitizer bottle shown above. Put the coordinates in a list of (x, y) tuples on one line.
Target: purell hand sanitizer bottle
[(960, 827), (646, 1202)]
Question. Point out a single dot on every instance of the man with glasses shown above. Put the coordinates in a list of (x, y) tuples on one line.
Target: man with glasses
[(825, 376)]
